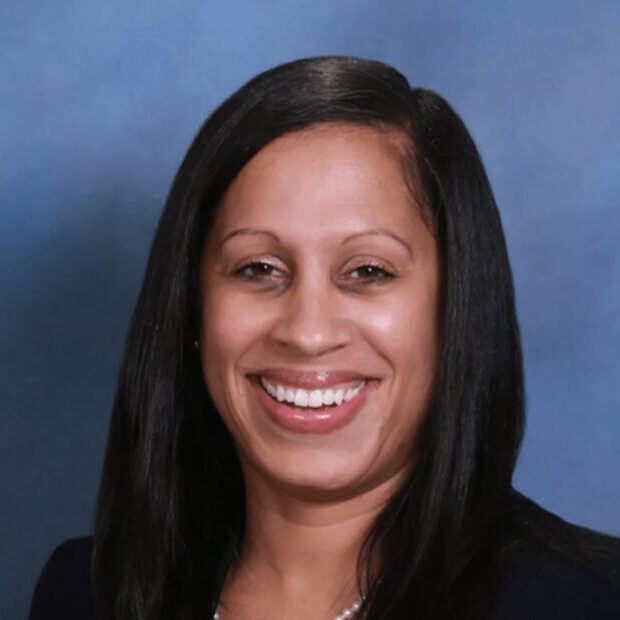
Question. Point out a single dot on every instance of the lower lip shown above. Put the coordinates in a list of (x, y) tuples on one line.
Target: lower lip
[(309, 420)]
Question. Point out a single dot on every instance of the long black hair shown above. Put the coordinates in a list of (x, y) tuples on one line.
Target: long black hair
[(170, 514)]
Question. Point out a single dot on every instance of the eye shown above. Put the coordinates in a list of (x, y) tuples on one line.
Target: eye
[(256, 271), (371, 273)]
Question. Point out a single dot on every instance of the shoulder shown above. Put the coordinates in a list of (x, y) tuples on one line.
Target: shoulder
[(543, 584), (63, 589)]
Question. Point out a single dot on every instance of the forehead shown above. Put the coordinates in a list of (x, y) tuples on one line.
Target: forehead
[(342, 174)]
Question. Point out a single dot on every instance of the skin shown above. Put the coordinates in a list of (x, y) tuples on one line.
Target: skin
[(312, 497)]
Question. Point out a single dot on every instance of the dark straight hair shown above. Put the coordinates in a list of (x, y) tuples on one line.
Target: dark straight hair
[(170, 516)]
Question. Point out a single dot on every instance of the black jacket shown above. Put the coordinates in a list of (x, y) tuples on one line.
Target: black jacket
[(535, 586)]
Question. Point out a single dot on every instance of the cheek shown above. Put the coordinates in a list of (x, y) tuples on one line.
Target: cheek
[(230, 326), (405, 331), (225, 331)]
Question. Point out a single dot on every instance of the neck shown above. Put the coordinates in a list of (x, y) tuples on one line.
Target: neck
[(302, 552)]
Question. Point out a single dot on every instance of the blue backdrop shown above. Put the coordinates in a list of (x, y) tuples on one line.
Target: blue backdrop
[(100, 100)]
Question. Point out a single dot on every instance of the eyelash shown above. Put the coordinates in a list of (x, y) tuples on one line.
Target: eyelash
[(382, 274), (251, 265)]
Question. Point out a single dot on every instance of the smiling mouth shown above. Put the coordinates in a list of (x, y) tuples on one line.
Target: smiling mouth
[(312, 399), (312, 410)]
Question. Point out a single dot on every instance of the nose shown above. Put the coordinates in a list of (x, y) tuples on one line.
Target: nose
[(310, 320)]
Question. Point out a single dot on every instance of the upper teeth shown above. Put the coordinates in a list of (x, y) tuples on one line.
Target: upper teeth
[(311, 398)]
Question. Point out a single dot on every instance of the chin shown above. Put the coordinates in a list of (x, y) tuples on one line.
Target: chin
[(321, 473)]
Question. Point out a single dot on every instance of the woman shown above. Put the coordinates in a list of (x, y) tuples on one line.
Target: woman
[(321, 403)]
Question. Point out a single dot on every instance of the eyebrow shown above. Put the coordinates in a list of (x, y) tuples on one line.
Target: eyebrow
[(372, 231), (382, 232), (248, 231)]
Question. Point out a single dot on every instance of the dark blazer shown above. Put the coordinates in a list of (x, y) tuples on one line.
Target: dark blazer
[(535, 586)]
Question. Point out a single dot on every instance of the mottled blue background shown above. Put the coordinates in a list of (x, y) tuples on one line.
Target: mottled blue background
[(99, 101)]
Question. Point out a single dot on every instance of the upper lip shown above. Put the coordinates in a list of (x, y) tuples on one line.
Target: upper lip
[(311, 379)]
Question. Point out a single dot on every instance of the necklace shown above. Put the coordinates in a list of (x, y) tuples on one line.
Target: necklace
[(345, 614)]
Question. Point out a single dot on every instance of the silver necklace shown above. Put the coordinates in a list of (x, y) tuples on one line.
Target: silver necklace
[(345, 614)]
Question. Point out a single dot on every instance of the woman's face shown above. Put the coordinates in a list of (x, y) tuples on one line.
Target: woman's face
[(320, 286)]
